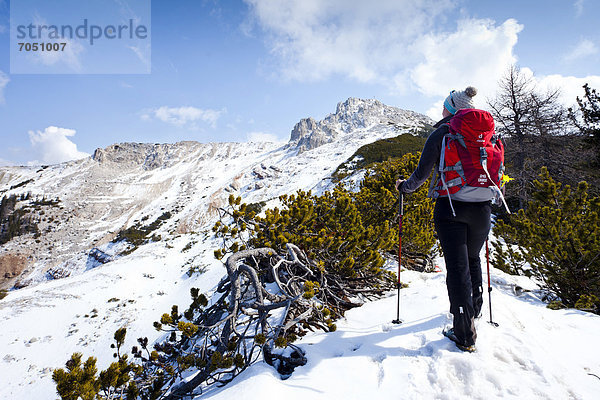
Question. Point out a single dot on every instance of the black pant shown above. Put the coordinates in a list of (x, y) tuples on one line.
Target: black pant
[(461, 238)]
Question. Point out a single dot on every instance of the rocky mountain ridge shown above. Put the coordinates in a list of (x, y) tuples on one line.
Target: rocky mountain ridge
[(135, 183), (350, 115)]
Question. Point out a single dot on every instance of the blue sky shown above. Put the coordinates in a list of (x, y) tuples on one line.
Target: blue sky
[(236, 70)]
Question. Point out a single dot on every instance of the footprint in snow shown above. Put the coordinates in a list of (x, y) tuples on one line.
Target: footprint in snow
[(378, 360)]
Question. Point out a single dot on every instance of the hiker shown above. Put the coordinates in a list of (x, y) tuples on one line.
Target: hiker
[(462, 222)]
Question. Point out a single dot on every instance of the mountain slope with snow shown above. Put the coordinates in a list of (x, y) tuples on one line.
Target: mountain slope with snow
[(48, 319), (132, 182)]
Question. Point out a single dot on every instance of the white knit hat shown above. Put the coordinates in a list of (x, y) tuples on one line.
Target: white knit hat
[(463, 99)]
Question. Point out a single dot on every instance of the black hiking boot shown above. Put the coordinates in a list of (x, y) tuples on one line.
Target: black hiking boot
[(449, 333)]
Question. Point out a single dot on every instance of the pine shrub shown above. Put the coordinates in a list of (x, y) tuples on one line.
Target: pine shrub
[(328, 228), (347, 233), (77, 381), (378, 203), (83, 382), (556, 239)]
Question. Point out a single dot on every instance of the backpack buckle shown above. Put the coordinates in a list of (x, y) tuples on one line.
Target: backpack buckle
[(482, 153)]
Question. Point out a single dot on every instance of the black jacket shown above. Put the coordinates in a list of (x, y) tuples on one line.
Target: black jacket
[(430, 156)]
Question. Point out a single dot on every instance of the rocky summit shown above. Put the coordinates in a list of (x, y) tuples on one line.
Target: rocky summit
[(350, 116)]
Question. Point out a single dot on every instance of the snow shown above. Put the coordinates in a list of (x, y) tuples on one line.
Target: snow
[(533, 353), (43, 325)]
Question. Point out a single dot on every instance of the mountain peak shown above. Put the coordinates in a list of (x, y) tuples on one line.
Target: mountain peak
[(355, 104), (352, 115)]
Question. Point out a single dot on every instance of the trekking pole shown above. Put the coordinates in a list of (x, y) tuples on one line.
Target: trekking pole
[(401, 212), (487, 257)]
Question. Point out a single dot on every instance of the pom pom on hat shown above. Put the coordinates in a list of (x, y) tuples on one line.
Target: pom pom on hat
[(463, 99), (470, 91)]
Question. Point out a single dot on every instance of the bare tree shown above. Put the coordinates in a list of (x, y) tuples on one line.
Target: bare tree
[(529, 120)]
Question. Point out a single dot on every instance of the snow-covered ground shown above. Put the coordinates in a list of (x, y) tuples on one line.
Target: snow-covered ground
[(534, 353)]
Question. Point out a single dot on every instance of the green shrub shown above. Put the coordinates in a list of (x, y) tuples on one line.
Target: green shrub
[(382, 150), (77, 381), (588, 302), (139, 234), (83, 382), (378, 203), (345, 233), (556, 239), (555, 305), (328, 228)]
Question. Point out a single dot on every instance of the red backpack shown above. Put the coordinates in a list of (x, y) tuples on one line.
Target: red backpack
[(472, 155)]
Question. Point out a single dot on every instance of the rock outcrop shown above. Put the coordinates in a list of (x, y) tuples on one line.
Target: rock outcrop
[(147, 155), (351, 115)]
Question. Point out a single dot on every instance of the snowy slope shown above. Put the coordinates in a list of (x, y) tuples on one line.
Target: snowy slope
[(45, 322), (535, 353)]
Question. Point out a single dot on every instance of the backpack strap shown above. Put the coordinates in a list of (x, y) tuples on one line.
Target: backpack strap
[(458, 168), (441, 172)]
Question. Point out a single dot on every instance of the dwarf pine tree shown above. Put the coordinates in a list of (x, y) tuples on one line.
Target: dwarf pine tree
[(77, 381), (328, 228), (345, 231), (556, 239), (378, 203), (589, 123), (82, 382)]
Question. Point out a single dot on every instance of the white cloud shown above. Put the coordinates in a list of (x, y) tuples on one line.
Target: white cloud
[(127, 12), (70, 57), (585, 48), (313, 39), (570, 86), (184, 116), (52, 146), (263, 137), (435, 112), (3, 82), (477, 54), (398, 43), (579, 7)]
